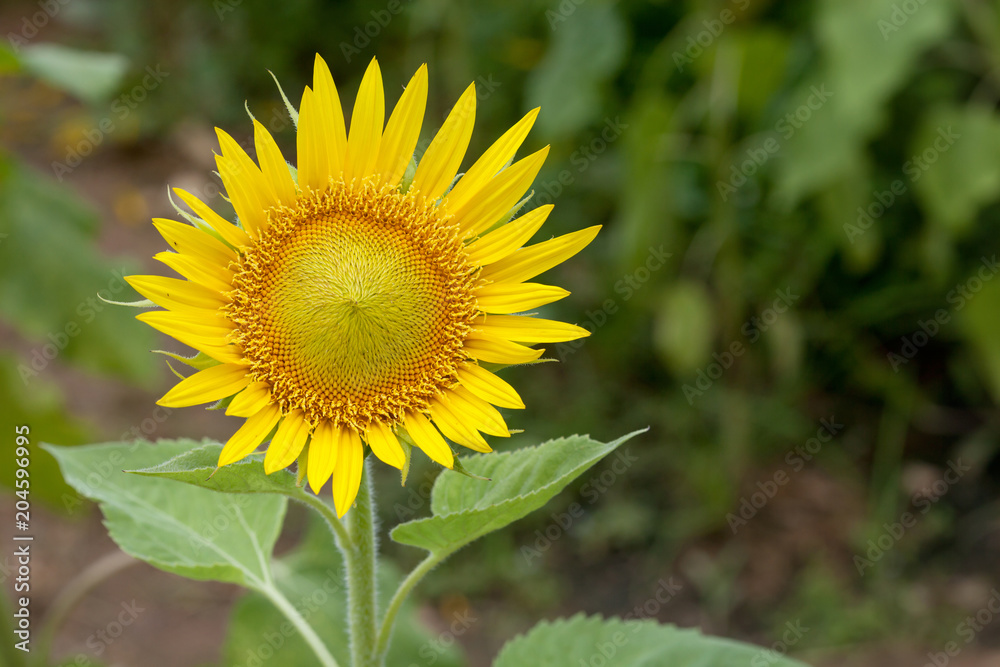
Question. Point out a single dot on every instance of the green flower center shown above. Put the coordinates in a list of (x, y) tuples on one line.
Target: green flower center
[(354, 305)]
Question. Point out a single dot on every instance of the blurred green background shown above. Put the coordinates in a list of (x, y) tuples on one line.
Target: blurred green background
[(793, 289)]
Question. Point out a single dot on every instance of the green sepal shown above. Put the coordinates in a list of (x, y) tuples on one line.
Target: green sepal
[(407, 445), (140, 303), (301, 464), (292, 112), (407, 180), (461, 470), (509, 215), (200, 361)]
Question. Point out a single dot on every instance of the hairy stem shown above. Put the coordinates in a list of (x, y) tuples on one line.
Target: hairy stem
[(412, 579), (361, 572), (343, 539)]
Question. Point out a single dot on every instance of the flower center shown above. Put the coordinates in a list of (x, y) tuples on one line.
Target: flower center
[(354, 305)]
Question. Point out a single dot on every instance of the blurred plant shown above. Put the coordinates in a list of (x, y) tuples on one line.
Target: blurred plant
[(54, 284)]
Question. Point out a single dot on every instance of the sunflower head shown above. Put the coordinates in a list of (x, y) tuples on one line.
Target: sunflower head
[(349, 308)]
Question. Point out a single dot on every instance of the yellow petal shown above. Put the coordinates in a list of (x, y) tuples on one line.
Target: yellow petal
[(347, 471), (475, 411), (207, 274), (533, 260), (322, 455), (313, 167), (288, 441), (403, 130), (494, 202), (489, 387), (527, 329), (233, 235), (496, 351), (187, 322), (206, 334), (250, 435), (189, 240), (516, 297), (385, 445), (506, 239), (455, 428), (486, 167), (248, 173), (242, 183), (331, 135), (250, 401), (273, 166), (427, 438), (441, 160), (367, 121), (176, 294), (207, 386)]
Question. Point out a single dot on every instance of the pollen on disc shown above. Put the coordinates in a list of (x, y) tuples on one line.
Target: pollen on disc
[(354, 304)]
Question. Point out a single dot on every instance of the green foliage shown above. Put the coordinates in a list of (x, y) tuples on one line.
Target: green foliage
[(464, 508), (312, 578), (583, 640), (199, 466), (568, 83), (197, 533), (959, 145), (93, 77)]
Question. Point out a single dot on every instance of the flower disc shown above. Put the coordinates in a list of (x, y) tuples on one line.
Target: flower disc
[(354, 305)]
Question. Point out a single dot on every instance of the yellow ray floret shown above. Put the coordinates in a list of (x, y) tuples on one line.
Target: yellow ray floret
[(348, 310)]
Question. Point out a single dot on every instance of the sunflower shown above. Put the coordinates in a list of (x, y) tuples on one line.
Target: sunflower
[(360, 301)]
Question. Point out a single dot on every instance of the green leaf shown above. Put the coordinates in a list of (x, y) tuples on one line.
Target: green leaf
[(199, 466), (956, 164), (583, 640), (312, 578), (93, 77), (197, 533), (852, 34), (466, 508)]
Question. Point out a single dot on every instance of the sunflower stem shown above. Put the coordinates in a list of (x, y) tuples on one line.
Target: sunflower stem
[(343, 539), (361, 570), (412, 579)]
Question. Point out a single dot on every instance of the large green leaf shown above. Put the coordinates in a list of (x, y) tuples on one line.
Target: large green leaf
[(197, 533), (616, 643), (312, 579), (464, 508), (199, 466)]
